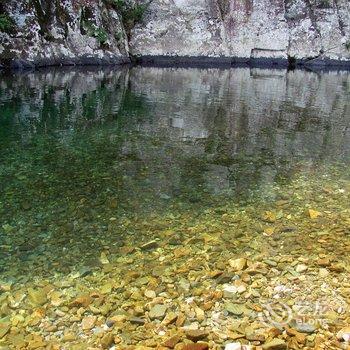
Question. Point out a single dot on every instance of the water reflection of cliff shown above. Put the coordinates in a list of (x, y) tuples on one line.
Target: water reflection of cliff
[(60, 100), (252, 126), (241, 110), (245, 125), (294, 113)]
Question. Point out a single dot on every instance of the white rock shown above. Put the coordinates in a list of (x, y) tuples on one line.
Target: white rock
[(323, 273), (233, 346), (301, 268), (344, 334), (229, 291), (241, 289), (151, 294)]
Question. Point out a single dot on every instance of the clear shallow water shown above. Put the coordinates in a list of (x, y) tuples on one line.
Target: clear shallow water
[(226, 163)]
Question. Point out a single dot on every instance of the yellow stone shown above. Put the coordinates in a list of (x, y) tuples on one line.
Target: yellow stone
[(5, 287), (34, 321), (39, 313), (106, 288), (107, 341), (81, 301), (88, 322), (314, 214), (103, 258), (183, 251), (209, 238), (238, 264), (269, 231), (323, 272), (17, 319), (199, 314), (118, 318), (16, 340), (170, 318), (36, 342), (37, 297), (69, 336), (56, 298), (4, 328), (269, 216)]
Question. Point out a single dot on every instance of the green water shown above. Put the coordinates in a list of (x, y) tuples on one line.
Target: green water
[(227, 161), (79, 148)]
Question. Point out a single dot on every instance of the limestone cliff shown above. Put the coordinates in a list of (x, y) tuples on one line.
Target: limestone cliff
[(54, 32), (44, 32), (248, 29)]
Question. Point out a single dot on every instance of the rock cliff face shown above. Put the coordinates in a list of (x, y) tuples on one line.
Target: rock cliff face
[(248, 29), (43, 32)]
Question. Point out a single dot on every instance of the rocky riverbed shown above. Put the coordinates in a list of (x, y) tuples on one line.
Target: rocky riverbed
[(264, 275)]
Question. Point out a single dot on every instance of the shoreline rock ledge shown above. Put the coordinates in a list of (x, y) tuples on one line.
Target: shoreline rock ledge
[(175, 32)]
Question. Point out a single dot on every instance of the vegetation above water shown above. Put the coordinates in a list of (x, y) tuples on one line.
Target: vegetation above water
[(131, 12), (6, 23), (96, 32)]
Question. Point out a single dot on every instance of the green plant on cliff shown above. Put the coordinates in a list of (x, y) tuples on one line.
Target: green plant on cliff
[(6, 23), (224, 7), (96, 32), (42, 16), (101, 35), (347, 45), (325, 4), (131, 13)]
